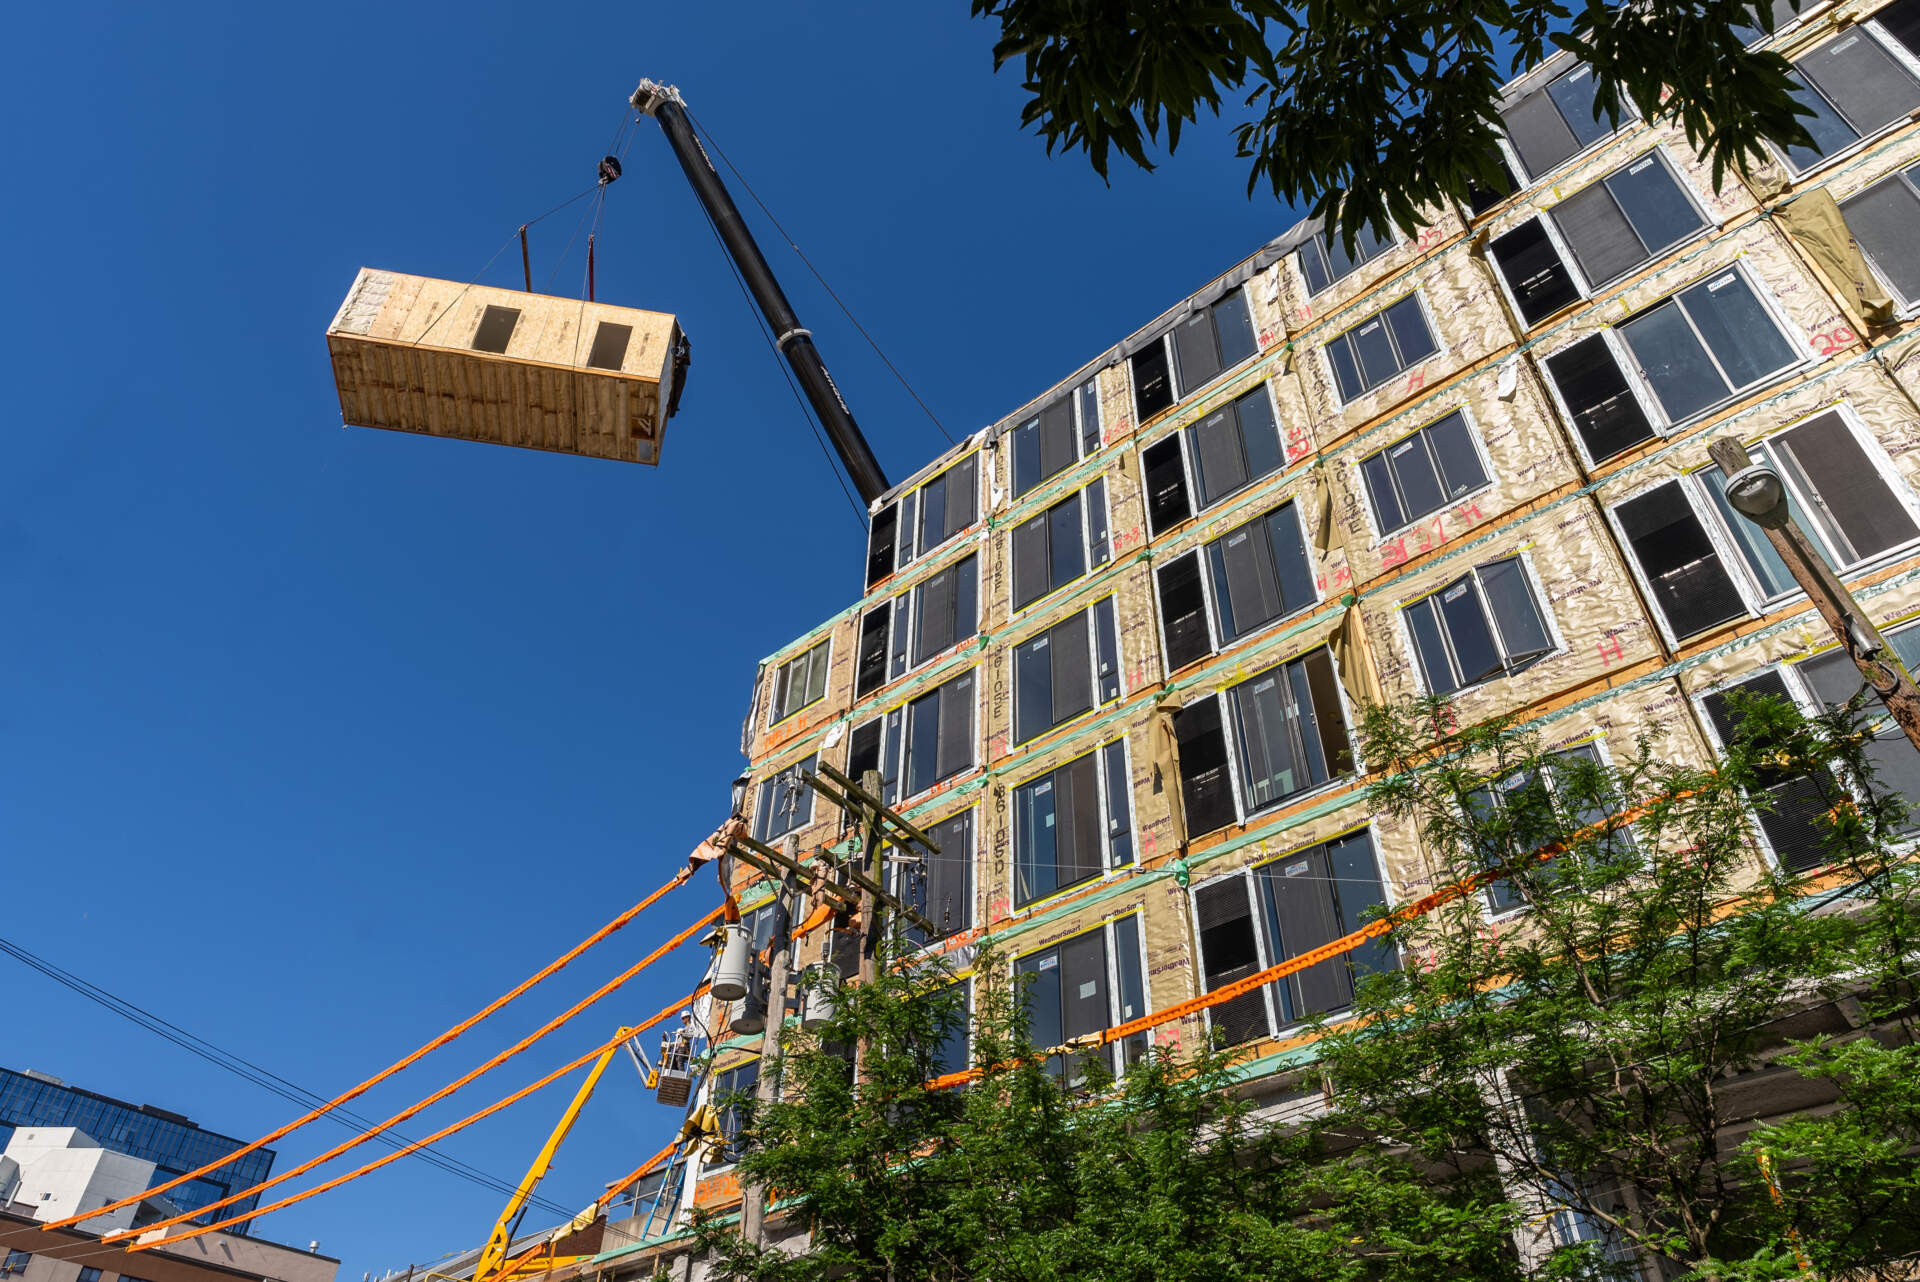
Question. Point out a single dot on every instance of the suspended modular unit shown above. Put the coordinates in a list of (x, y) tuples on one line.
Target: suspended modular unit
[(413, 354)]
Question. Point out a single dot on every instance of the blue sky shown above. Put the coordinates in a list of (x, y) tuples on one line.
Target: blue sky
[(315, 739)]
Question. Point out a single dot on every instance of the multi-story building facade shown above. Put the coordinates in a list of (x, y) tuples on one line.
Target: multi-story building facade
[(171, 1142), (1110, 648)]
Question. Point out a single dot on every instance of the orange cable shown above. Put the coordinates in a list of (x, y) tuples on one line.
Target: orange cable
[(405, 1113), (551, 968), (417, 1145), (626, 1182)]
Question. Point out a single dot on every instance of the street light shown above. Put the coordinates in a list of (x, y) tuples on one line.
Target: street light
[(1755, 491)]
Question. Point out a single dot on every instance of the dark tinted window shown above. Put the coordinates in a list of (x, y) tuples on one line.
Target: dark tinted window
[(1626, 218), (1791, 822), (1152, 380), (880, 543), (1052, 549), (1855, 88), (1551, 124), (1482, 624), (1183, 611), (1166, 483), (1289, 730), (1541, 284), (1689, 584), (1206, 790), (1605, 411), (800, 682), (1259, 573), (1706, 343), (1324, 259), (1052, 678), (940, 887), (784, 803), (1380, 347), (1237, 443)]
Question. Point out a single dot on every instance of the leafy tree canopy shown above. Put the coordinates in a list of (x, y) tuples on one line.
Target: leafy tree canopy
[(1375, 108)]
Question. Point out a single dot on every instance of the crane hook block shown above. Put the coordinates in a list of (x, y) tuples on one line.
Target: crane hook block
[(609, 169)]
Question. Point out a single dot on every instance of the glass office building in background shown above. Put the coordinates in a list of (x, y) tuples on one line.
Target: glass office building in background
[(171, 1142)]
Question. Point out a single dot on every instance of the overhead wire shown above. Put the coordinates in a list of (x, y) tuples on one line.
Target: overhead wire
[(348, 1145), (544, 973), (838, 301), (488, 266)]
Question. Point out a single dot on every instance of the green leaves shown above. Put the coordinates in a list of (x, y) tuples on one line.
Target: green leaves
[(1376, 111)]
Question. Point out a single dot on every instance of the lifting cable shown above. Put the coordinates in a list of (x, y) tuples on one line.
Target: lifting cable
[(434, 1138), (552, 968), (348, 1145)]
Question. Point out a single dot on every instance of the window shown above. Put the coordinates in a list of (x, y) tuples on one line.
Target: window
[(1259, 917), (1791, 824), (1782, 12), (1324, 260), (1056, 547), (1083, 985), (1198, 349), (1289, 734), (801, 682), (1855, 87), (1064, 671), (1072, 824), (1685, 576), (1540, 808), (785, 804), (1832, 679), (1392, 340), (1486, 623), (15, 1263), (1901, 20), (954, 1052), (1482, 198), (1885, 222), (940, 887), (1228, 450), (1422, 473), (1628, 218), (1556, 122), (609, 349), (923, 519), (90, 1274), (927, 741), (1834, 490), (1706, 344), (496, 329), (1255, 573), (1057, 437), (732, 1094), (898, 636)]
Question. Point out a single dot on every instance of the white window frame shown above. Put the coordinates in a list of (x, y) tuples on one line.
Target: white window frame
[(1189, 467), (1911, 309), (1180, 389), (1216, 645), (1642, 388), (1883, 465), (1359, 481), (1093, 666), (761, 782), (1111, 948), (1109, 871), (1525, 558), (1628, 116), (1730, 557), (901, 608), (1242, 813), (1263, 945), (1394, 241), (1086, 543), (1893, 49), (1796, 692), (1598, 742), (1441, 347), (774, 715)]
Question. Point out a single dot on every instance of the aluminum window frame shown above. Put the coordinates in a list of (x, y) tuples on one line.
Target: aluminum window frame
[(1210, 599), (896, 872), (1361, 492), (774, 715), (907, 515), (1901, 56), (1876, 455), (1110, 599), (1111, 950), (1180, 389), (1243, 812), (1441, 347), (901, 704), (1189, 465), (1077, 407), (1109, 871), (1264, 946), (903, 609), (1087, 548), (1597, 740), (1534, 585), (1801, 698)]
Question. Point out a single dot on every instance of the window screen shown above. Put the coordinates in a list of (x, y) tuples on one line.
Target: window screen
[(1885, 221), (1485, 623), (1234, 445), (1213, 340), (1855, 88), (1380, 347), (785, 804), (1689, 584), (946, 609), (1531, 266), (1052, 678), (1289, 730), (1206, 790), (609, 349), (1166, 484), (1259, 573), (1791, 821), (1422, 473), (801, 682), (1553, 123), (496, 329), (1324, 259), (1626, 219), (1857, 515), (1704, 344), (1606, 414)]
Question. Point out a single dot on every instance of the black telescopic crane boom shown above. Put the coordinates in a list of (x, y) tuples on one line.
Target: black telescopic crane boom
[(663, 103)]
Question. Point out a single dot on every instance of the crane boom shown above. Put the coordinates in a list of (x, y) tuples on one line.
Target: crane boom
[(664, 104)]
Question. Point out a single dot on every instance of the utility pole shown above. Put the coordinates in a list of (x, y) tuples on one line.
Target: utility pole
[(1757, 493), (753, 1195), (870, 899)]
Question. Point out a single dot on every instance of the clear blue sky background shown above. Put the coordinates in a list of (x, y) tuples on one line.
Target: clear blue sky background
[(315, 739)]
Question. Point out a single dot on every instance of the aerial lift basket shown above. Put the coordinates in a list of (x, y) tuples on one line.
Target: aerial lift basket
[(413, 354)]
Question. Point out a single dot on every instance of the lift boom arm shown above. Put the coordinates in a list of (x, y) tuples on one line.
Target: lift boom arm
[(664, 104)]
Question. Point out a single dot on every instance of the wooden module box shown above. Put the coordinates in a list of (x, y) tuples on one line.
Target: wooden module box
[(413, 354)]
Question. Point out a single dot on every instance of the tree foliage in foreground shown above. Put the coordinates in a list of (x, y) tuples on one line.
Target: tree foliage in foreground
[(1541, 1094), (1378, 108)]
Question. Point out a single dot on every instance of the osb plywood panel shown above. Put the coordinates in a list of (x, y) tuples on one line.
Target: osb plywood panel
[(1585, 592), (403, 360)]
